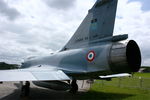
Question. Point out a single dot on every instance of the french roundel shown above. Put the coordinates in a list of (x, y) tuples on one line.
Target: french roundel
[(90, 56)]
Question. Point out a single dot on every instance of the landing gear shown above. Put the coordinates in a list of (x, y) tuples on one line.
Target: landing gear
[(74, 86), (25, 89)]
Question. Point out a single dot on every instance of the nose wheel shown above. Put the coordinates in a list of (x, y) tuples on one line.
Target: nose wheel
[(74, 86)]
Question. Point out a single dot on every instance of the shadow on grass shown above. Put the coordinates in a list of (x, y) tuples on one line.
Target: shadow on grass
[(46, 94), (94, 95)]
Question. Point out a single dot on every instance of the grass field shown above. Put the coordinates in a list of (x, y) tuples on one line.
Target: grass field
[(128, 90), (144, 75)]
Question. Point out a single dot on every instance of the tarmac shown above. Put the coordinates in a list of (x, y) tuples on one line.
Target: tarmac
[(12, 91)]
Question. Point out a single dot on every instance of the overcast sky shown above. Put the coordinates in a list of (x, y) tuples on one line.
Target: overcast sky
[(39, 27)]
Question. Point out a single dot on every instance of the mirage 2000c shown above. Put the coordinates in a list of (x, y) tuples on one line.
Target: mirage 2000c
[(92, 53)]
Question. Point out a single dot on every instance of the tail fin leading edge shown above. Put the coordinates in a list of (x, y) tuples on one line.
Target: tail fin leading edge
[(98, 24)]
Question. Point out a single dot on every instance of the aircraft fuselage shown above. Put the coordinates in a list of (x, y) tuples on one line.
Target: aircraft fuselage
[(92, 61), (76, 61)]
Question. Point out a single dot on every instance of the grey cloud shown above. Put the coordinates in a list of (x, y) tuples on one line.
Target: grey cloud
[(145, 4), (10, 13), (145, 55), (14, 52), (60, 4)]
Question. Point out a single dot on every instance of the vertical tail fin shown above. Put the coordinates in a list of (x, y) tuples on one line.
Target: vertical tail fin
[(98, 24)]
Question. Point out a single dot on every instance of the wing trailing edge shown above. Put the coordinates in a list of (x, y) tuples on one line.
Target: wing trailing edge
[(32, 75)]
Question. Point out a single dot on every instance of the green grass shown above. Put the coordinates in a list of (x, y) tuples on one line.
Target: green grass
[(98, 92), (129, 89), (144, 75)]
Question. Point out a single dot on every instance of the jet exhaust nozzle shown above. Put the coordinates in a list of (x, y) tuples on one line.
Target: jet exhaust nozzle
[(125, 58)]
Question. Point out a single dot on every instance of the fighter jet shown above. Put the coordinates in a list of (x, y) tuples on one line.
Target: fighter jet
[(92, 53)]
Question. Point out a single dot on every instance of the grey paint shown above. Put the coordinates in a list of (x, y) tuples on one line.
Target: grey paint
[(93, 35), (75, 60), (98, 24)]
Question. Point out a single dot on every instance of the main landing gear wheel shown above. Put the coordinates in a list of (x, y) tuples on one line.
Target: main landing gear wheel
[(25, 89), (74, 86)]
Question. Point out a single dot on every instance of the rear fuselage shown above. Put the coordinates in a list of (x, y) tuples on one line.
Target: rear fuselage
[(91, 62)]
